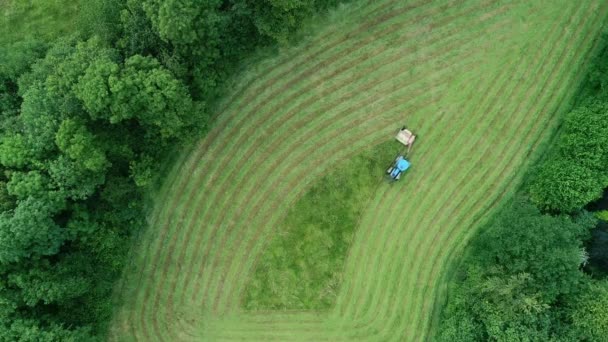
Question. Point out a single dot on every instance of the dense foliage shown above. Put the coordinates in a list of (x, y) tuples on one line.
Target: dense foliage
[(520, 273), (538, 272), (576, 175), (84, 122)]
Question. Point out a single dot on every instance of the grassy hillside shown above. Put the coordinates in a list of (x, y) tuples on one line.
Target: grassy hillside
[(481, 82)]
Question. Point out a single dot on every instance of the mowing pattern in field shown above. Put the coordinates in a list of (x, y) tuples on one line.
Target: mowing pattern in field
[(482, 82)]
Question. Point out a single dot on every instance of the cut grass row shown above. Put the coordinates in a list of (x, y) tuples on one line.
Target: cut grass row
[(224, 300), (455, 195), (414, 259), (432, 138), (562, 93), (413, 95)]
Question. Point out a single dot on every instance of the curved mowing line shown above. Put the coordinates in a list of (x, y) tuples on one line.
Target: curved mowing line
[(429, 160), (413, 96), (564, 102), (528, 135), (420, 180), (434, 269), (364, 28), (415, 186), (271, 111), (547, 128), (221, 132), (224, 297), (305, 59), (428, 137), (417, 249)]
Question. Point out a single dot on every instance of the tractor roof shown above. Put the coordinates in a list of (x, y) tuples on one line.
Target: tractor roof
[(403, 164)]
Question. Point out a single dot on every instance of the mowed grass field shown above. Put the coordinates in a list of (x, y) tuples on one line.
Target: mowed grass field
[(483, 83)]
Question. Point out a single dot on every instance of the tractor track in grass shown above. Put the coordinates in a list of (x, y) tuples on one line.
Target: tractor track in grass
[(431, 174), (279, 158), (421, 180), (478, 219), (203, 148), (222, 288), (425, 124), (528, 135), (418, 249), (544, 130), (434, 122), (255, 92), (304, 153), (269, 83)]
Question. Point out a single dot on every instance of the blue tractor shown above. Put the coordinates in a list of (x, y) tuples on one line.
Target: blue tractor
[(401, 164)]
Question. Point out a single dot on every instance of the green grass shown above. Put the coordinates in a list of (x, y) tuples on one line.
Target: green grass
[(483, 83), (302, 266), (41, 19)]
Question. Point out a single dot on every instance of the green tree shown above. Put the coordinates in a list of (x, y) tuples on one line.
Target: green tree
[(516, 275), (75, 140), (590, 313), (29, 230), (564, 185), (14, 151), (585, 137), (30, 330), (279, 19), (27, 184), (141, 90), (70, 180)]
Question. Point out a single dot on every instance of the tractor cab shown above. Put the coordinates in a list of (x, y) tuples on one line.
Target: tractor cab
[(401, 164)]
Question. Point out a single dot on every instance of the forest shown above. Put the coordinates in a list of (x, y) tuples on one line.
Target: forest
[(86, 121)]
